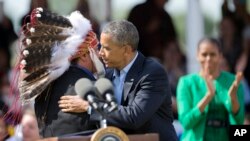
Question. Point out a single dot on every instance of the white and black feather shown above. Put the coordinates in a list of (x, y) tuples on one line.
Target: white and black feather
[(48, 42)]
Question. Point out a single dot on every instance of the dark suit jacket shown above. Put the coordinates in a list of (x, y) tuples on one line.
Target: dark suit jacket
[(146, 102), (51, 120)]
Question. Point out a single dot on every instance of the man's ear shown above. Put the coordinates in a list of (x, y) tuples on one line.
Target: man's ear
[(128, 49)]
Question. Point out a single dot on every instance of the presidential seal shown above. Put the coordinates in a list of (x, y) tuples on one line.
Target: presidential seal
[(109, 133)]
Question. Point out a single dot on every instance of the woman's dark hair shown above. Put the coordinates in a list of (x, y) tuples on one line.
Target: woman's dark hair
[(210, 40)]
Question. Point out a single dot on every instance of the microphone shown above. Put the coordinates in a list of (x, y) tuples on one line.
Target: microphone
[(105, 88), (86, 90)]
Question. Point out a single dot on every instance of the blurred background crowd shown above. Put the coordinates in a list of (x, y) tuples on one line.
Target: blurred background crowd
[(169, 32)]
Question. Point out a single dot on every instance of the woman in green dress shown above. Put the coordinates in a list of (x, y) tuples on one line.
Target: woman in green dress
[(211, 100)]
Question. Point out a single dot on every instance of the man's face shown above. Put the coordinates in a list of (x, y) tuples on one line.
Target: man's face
[(112, 54)]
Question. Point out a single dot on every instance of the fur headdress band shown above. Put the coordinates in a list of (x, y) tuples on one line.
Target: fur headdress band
[(48, 44)]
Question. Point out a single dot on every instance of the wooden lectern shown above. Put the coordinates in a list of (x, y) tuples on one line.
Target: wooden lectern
[(139, 137), (105, 133), (108, 134)]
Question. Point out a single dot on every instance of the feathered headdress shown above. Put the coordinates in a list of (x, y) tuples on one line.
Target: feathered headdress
[(47, 44)]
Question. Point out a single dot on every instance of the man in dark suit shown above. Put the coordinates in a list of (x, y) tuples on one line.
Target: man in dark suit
[(143, 90), (55, 52), (59, 111)]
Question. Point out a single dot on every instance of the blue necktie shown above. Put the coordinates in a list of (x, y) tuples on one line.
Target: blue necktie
[(118, 87)]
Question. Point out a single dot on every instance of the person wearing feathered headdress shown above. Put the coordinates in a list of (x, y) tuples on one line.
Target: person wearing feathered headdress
[(56, 52)]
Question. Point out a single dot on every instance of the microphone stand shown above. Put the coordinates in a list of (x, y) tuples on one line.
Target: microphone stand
[(103, 122), (103, 108), (103, 113)]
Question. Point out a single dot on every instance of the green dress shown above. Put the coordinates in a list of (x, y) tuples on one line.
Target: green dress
[(190, 90)]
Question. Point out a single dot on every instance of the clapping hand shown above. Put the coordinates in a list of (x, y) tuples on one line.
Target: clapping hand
[(234, 87), (210, 93), (210, 85), (233, 92)]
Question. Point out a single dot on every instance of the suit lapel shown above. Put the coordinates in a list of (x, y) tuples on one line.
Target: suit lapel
[(126, 88), (132, 75)]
